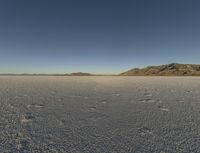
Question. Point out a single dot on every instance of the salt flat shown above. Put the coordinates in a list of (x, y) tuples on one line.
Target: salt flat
[(99, 114)]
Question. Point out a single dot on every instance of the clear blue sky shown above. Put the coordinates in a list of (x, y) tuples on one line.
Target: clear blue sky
[(98, 36)]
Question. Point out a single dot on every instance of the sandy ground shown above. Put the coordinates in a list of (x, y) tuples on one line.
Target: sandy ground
[(99, 114)]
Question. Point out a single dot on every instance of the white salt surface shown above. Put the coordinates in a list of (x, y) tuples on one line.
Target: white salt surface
[(99, 114)]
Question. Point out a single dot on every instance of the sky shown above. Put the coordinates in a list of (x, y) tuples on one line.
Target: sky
[(97, 36)]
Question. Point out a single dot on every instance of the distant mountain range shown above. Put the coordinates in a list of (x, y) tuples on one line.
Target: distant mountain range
[(67, 74), (173, 69), (80, 74)]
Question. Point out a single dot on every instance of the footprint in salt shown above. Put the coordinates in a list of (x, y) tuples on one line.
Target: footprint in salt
[(53, 92), (116, 94), (189, 91), (145, 131), (10, 105), (159, 101), (39, 106), (163, 108), (104, 101), (147, 100), (27, 117), (181, 100), (92, 108), (148, 94)]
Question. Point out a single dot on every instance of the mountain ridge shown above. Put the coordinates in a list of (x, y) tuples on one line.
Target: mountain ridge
[(80, 74), (173, 69)]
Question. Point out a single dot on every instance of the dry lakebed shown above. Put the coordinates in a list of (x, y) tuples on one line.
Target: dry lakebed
[(99, 114)]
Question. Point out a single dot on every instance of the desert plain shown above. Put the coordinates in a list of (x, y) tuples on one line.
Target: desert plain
[(99, 114)]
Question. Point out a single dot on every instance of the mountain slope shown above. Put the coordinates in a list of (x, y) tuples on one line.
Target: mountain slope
[(79, 74), (173, 69)]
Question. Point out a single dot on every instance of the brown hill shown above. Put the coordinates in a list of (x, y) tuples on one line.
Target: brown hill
[(80, 74), (173, 69)]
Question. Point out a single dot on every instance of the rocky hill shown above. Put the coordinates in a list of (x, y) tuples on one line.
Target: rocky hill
[(79, 74), (173, 69)]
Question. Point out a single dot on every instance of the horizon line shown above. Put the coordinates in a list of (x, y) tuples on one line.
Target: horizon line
[(82, 72)]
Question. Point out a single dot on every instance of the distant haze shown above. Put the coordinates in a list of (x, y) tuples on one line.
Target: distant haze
[(97, 36)]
